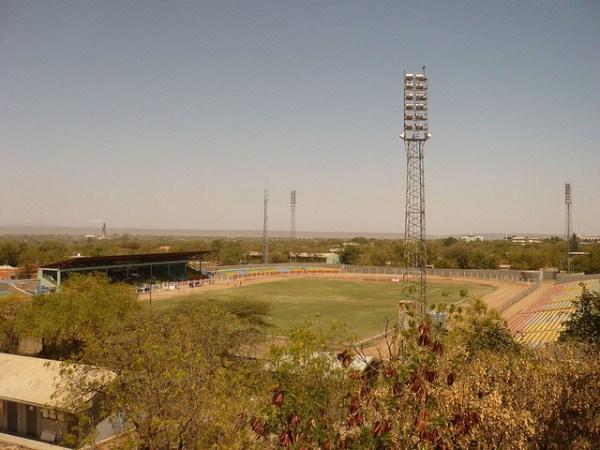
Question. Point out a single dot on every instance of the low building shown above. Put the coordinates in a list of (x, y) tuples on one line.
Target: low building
[(523, 239), (328, 258), (588, 239), (8, 272), (30, 404), (472, 238)]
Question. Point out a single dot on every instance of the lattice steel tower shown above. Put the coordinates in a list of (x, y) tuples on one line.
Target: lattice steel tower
[(568, 227), (416, 133), (293, 214), (266, 229)]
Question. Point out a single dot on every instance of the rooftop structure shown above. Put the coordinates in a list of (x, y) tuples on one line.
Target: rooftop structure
[(125, 267), (30, 403)]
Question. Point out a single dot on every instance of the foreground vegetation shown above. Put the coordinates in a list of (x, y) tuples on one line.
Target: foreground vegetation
[(183, 381), (30, 251)]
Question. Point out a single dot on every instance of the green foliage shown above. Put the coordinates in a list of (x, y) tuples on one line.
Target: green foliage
[(9, 253), (86, 308), (179, 379), (428, 392), (478, 328), (232, 252), (350, 255), (252, 312), (312, 387), (584, 323), (30, 251), (10, 309)]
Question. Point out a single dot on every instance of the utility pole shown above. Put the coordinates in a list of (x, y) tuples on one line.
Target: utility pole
[(293, 214), (266, 229), (569, 227)]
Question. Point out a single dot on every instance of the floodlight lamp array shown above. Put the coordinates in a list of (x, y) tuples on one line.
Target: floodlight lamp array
[(416, 125), (568, 193)]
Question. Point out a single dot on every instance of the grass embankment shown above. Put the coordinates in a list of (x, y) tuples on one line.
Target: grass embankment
[(361, 306)]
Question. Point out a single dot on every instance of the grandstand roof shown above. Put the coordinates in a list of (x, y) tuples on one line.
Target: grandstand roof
[(116, 260)]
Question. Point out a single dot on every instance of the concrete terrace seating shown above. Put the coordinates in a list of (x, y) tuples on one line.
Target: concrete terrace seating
[(253, 272), (542, 322)]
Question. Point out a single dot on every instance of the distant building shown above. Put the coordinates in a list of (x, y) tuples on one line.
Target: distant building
[(329, 258), (472, 238), (8, 272), (523, 239), (589, 239)]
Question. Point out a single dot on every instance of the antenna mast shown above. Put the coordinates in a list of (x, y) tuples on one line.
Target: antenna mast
[(416, 133), (568, 227), (266, 229), (293, 214)]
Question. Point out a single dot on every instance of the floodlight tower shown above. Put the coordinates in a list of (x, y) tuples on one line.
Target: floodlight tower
[(293, 214), (416, 133), (266, 229), (568, 227)]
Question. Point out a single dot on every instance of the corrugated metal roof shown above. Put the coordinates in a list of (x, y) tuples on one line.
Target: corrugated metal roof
[(24, 379), (116, 260)]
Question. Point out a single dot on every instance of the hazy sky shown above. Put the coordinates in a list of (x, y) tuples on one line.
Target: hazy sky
[(178, 114)]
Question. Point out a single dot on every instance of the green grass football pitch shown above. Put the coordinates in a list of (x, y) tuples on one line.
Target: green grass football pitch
[(363, 308)]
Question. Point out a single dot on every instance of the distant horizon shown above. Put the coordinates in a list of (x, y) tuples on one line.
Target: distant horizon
[(30, 229)]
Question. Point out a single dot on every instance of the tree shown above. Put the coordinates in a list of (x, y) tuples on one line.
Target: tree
[(312, 388), (10, 309), (87, 308), (478, 328), (350, 254), (449, 241), (429, 392), (179, 379), (584, 323), (9, 253)]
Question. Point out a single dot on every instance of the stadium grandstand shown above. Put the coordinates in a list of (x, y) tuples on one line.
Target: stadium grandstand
[(179, 266), (542, 322)]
